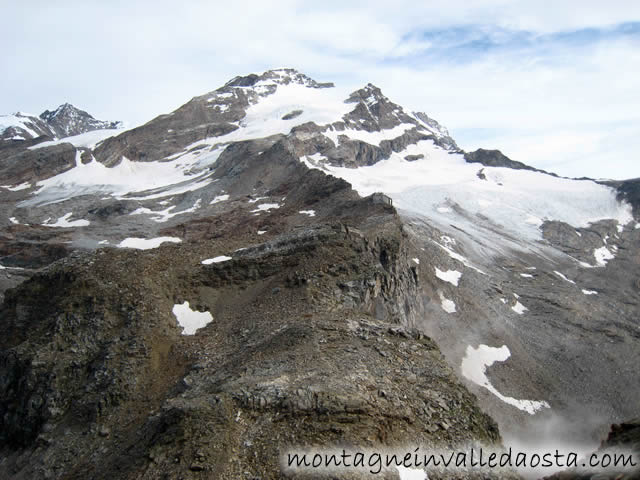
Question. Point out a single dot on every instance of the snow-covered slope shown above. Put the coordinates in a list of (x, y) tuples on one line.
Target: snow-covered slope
[(443, 187)]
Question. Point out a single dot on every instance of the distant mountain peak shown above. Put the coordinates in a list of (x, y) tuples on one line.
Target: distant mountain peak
[(68, 120), (278, 76), (65, 121)]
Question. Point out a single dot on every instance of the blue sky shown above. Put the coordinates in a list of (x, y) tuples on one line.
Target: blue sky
[(553, 84)]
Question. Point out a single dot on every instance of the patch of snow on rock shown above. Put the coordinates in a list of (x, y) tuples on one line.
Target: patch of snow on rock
[(219, 198), (218, 259), (146, 243), (190, 320), (474, 367), (265, 207), (563, 277), (519, 308), (16, 188), (602, 256), (447, 305), (451, 276), (63, 222)]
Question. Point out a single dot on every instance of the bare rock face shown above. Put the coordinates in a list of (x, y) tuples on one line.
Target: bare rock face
[(29, 166)]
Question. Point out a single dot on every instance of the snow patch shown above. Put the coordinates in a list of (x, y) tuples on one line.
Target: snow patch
[(166, 214), (519, 308), (311, 213), (416, 260), (563, 277), (190, 320), (218, 259), (22, 186), (451, 276), (526, 275), (447, 305), (146, 243), (474, 367), (265, 207), (63, 222), (219, 198), (589, 292), (602, 256), (261, 232)]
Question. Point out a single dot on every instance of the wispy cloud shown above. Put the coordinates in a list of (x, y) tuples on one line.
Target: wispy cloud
[(554, 87)]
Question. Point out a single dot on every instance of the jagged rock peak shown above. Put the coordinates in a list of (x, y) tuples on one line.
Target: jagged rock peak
[(67, 120), (370, 94), (279, 76)]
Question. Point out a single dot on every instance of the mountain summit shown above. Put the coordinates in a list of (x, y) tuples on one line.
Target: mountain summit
[(64, 121), (67, 120)]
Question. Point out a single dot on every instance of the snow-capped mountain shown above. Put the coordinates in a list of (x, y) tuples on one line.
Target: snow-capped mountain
[(64, 121), (67, 120), (528, 282)]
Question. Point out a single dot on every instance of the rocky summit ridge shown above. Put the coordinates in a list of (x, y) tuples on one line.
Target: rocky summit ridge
[(280, 263), (64, 121)]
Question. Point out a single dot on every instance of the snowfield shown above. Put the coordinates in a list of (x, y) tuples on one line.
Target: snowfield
[(84, 140), (520, 199)]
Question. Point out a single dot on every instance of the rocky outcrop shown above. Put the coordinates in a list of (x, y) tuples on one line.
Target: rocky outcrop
[(629, 191), (30, 166), (311, 343), (495, 158)]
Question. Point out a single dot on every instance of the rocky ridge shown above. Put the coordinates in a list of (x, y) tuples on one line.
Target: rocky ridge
[(64, 121)]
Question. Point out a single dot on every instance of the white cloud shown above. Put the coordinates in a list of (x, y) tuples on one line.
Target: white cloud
[(544, 102)]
